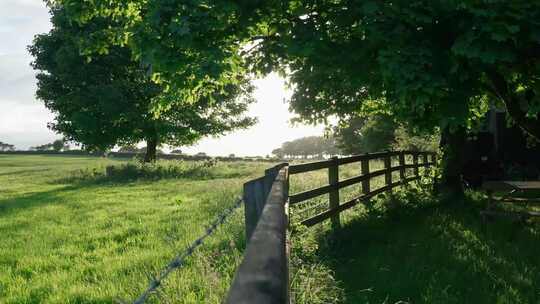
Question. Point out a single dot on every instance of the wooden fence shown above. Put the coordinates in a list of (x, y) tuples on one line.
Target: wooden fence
[(263, 276)]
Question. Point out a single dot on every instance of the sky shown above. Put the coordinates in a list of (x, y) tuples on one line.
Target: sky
[(23, 119)]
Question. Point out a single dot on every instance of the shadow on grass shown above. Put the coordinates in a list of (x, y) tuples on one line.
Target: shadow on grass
[(22, 172), (36, 199), (434, 255)]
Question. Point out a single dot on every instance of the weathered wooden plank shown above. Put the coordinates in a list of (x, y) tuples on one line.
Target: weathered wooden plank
[(402, 166), (362, 178), (255, 196), (415, 164), (329, 213), (251, 213), (367, 156), (263, 274), (309, 194), (388, 169), (364, 166), (301, 168), (333, 180)]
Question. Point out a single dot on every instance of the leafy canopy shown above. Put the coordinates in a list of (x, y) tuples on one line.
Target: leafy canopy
[(188, 46), (428, 63), (108, 99)]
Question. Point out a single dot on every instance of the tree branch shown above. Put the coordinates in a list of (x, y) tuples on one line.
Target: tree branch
[(512, 103)]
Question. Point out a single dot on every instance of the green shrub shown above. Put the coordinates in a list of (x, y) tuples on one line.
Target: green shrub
[(162, 169)]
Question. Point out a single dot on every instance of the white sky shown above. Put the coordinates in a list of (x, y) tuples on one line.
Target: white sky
[(23, 119)]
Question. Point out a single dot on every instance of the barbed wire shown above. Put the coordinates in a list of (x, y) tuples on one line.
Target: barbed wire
[(178, 261)]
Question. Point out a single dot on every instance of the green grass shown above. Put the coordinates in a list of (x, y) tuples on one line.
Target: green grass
[(71, 233), (71, 236), (409, 248)]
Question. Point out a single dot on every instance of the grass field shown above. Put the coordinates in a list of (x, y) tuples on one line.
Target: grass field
[(418, 251), (70, 234), (70, 237)]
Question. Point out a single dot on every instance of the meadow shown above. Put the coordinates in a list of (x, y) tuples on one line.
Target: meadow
[(74, 232), (71, 235)]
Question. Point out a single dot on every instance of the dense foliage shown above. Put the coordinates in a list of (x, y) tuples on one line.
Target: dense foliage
[(108, 99), (431, 64), (374, 133)]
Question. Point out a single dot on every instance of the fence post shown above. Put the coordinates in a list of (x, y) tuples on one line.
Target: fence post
[(425, 160), (255, 195), (333, 180), (365, 171), (402, 166), (415, 163), (262, 277), (251, 197), (388, 168)]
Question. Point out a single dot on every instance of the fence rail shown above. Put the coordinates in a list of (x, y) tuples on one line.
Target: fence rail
[(334, 184), (263, 276)]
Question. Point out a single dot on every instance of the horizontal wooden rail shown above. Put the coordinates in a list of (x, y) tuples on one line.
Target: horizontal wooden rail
[(331, 212), (263, 275), (303, 196), (309, 194), (313, 166), (335, 184), (301, 168)]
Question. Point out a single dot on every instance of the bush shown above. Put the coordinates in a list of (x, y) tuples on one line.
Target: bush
[(162, 169)]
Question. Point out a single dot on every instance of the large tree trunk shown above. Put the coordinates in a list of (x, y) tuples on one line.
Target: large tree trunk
[(151, 149), (452, 145)]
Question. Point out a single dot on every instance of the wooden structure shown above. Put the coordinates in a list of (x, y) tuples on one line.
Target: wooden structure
[(335, 207), (263, 276), (513, 192)]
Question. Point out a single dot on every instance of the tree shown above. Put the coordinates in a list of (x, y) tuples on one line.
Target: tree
[(278, 153), (431, 64), (176, 151), (6, 147), (130, 148), (404, 141), (192, 47), (380, 132), (359, 134), (109, 98), (311, 146), (59, 145), (45, 147)]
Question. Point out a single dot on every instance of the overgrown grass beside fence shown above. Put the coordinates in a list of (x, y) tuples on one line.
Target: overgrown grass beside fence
[(263, 276)]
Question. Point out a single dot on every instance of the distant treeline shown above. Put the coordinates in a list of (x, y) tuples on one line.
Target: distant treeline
[(307, 147), (198, 157)]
